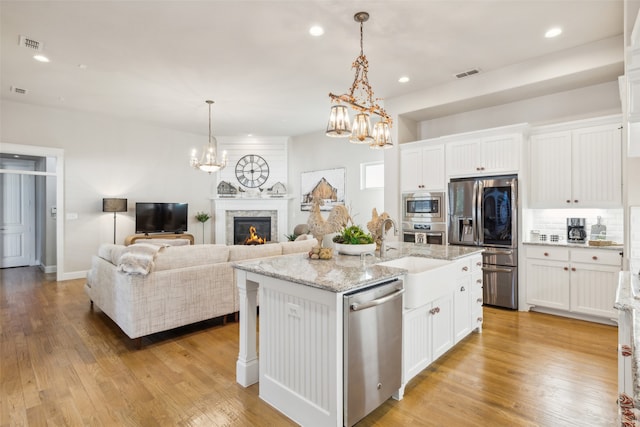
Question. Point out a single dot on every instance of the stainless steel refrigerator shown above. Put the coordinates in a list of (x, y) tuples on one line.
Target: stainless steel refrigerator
[(483, 212)]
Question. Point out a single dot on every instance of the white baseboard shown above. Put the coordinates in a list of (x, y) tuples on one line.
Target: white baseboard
[(48, 268), (74, 275)]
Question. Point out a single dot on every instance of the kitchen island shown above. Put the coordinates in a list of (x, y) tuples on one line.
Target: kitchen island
[(300, 368)]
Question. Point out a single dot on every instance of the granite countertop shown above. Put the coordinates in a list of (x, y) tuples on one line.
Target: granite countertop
[(343, 273), (626, 301), (576, 245)]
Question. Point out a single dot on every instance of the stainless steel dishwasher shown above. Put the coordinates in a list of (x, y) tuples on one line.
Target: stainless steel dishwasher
[(372, 348)]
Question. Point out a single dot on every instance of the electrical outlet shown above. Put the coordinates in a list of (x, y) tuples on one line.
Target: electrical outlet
[(293, 310)]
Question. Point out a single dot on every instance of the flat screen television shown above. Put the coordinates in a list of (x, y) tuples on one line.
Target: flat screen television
[(161, 217)]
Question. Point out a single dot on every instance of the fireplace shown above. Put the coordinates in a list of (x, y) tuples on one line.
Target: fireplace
[(242, 226), (226, 210)]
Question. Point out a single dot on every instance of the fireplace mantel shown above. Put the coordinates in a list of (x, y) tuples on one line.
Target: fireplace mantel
[(220, 206)]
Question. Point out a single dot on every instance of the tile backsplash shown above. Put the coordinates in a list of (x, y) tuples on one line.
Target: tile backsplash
[(553, 222)]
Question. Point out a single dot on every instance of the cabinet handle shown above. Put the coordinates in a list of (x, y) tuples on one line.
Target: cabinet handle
[(465, 268), (480, 319), (573, 269), (481, 168), (433, 310), (462, 289), (546, 254), (625, 350), (566, 269), (575, 201), (479, 281), (595, 258), (479, 300), (477, 168), (479, 264), (568, 201)]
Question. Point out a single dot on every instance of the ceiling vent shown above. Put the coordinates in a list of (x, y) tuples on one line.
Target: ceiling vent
[(31, 44), (467, 73), (19, 90)]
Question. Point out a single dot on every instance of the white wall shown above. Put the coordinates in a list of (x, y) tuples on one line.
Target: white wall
[(317, 151), (108, 157)]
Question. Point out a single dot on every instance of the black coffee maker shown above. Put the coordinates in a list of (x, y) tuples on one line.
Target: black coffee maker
[(576, 230)]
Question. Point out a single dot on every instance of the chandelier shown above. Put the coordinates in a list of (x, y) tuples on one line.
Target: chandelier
[(208, 162), (360, 98)]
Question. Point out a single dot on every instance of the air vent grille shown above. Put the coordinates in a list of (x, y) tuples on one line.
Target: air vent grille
[(467, 73), (31, 43), (19, 90)]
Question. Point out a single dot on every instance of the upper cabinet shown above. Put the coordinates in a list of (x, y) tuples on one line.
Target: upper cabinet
[(488, 155), (578, 168), (422, 167)]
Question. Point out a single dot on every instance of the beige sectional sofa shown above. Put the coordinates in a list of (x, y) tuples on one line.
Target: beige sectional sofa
[(184, 284)]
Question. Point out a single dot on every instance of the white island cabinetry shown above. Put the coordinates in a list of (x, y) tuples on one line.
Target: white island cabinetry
[(432, 329)]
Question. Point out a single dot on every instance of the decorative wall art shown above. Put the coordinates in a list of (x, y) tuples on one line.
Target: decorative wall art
[(327, 185)]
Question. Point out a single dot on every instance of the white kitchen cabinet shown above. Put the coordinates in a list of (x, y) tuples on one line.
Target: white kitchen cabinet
[(467, 297), (490, 155), (428, 334), (576, 280), (422, 167), (579, 168)]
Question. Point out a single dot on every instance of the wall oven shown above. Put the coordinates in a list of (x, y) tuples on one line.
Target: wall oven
[(423, 207), (424, 233)]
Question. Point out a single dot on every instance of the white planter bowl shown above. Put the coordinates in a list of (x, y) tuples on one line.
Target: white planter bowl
[(354, 249)]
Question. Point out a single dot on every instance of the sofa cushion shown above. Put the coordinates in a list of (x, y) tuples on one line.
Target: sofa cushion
[(165, 242), (298, 246), (189, 256), (242, 252)]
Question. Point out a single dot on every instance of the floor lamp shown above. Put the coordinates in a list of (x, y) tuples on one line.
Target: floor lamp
[(114, 205)]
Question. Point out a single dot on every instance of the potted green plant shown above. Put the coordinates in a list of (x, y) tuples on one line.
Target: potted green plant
[(202, 217), (353, 240)]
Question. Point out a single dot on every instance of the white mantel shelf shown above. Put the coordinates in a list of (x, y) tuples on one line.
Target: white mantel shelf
[(220, 205)]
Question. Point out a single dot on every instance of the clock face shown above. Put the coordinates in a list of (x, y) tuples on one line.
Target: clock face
[(252, 171)]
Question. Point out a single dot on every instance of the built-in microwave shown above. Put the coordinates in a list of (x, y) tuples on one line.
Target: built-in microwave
[(423, 207)]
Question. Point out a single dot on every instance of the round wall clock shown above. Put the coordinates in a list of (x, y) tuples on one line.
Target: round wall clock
[(252, 170)]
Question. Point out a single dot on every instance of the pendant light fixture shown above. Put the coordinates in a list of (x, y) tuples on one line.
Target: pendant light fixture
[(209, 160), (360, 98)]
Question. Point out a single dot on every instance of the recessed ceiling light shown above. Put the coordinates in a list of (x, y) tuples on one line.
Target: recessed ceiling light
[(403, 79), (40, 58), (553, 32), (316, 31)]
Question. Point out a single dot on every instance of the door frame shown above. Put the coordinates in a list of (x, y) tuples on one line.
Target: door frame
[(58, 154)]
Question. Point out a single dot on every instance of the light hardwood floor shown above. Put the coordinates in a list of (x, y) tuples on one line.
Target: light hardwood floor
[(63, 364)]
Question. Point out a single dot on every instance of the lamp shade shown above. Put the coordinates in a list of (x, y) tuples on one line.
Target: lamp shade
[(114, 205)]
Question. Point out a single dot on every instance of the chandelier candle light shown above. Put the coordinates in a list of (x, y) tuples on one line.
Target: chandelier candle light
[(360, 132), (208, 162)]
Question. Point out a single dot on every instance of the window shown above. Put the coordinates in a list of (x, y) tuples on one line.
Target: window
[(371, 175)]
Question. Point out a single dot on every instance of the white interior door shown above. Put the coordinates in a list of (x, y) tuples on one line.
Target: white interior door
[(17, 220)]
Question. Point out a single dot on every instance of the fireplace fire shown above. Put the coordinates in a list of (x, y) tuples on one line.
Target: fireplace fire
[(253, 238)]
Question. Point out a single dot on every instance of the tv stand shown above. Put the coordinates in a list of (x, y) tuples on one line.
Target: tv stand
[(129, 240)]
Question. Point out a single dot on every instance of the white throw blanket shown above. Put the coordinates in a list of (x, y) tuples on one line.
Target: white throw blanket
[(138, 258)]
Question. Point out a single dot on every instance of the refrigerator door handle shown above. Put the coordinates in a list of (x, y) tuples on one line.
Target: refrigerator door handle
[(477, 203), (497, 269)]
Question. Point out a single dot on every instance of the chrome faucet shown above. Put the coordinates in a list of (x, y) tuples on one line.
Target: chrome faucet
[(383, 226)]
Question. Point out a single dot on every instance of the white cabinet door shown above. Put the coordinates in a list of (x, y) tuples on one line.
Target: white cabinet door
[(463, 158), (462, 308), (578, 168), (417, 345), (441, 325), (433, 178), (410, 169), (548, 283), (500, 154), (550, 170), (593, 289), (596, 164), (422, 168)]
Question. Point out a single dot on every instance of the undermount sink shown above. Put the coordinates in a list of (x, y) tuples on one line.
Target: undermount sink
[(426, 279)]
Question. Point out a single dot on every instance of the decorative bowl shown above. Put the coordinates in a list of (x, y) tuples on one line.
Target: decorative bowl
[(354, 249)]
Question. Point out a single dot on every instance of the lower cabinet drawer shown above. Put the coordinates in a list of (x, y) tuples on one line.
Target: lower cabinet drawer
[(596, 257), (548, 252)]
